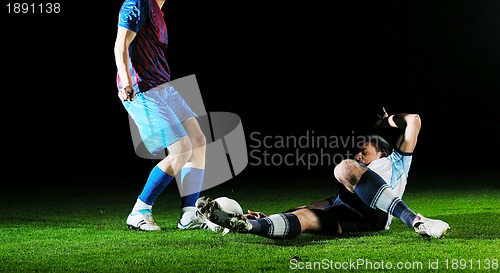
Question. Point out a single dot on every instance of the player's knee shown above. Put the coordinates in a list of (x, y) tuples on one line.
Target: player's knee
[(348, 172), (183, 152), (344, 169), (198, 141)]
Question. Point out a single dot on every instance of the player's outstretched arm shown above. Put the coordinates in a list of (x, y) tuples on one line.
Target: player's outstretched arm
[(410, 125)]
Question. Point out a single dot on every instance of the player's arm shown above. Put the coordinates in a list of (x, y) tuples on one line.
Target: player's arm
[(123, 39), (409, 124)]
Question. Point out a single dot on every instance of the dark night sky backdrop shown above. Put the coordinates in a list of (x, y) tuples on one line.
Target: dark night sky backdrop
[(283, 68)]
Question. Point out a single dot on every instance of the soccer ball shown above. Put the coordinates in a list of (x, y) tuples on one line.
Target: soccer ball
[(229, 205)]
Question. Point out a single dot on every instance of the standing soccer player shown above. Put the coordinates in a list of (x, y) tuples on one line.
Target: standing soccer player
[(162, 116)]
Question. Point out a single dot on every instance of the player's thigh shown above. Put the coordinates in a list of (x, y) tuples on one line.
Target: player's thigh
[(195, 132), (178, 105), (157, 123)]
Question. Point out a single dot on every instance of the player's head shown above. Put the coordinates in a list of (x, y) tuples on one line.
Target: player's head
[(372, 148)]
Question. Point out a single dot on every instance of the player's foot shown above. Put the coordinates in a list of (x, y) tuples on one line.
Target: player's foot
[(212, 226), (192, 219), (430, 227), (216, 228), (214, 213), (142, 220)]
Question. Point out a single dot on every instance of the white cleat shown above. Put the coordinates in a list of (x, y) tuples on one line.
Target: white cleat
[(142, 220), (430, 227), (210, 225), (192, 219)]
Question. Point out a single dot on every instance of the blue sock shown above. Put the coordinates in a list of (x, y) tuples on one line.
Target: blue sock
[(191, 181), (156, 183), (373, 191), (281, 225)]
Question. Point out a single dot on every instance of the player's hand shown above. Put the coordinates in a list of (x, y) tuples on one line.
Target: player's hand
[(256, 215), (126, 93), (380, 117)]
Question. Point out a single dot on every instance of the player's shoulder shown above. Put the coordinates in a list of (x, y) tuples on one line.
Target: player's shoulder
[(137, 3)]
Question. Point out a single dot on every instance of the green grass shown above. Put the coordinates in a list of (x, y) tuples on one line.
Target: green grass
[(80, 228)]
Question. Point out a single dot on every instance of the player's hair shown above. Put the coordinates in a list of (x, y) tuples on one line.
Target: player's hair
[(380, 144)]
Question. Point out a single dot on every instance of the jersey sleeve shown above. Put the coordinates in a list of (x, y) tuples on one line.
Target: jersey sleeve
[(400, 168), (132, 15), (401, 161)]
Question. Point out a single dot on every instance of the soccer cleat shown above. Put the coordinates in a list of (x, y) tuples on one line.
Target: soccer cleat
[(231, 221), (142, 220), (430, 227), (212, 226), (192, 219), (216, 228)]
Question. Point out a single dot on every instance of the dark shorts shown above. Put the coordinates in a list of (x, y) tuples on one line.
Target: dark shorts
[(353, 215)]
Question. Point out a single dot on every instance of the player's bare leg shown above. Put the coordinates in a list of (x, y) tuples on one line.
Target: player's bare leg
[(141, 217), (316, 221), (276, 226), (192, 174)]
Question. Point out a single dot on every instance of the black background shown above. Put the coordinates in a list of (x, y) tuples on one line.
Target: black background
[(285, 68)]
